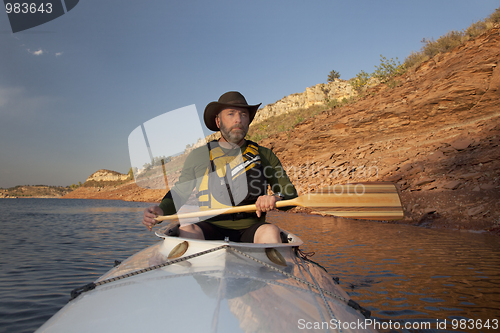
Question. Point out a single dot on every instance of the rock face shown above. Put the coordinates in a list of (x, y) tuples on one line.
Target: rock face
[(436, 135), (104, 175), (319, 94)]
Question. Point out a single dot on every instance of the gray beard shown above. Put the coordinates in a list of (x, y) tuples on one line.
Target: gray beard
[(232, 137)]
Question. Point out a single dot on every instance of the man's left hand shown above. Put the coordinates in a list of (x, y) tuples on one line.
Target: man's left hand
[(266, 203)]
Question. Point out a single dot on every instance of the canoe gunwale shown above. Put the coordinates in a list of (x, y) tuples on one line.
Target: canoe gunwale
[(296, 241)]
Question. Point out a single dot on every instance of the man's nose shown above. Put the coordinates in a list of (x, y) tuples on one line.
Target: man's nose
[(237, 118)]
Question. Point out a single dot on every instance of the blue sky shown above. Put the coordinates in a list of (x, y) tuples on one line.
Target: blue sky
[(73, 89)]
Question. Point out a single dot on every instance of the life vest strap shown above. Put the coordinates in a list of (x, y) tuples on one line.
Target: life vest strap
[(203, 192)]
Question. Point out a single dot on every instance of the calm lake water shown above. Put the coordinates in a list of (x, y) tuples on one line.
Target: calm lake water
[(401, 273)]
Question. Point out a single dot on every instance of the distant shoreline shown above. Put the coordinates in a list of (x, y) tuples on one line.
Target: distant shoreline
[(35, 191)]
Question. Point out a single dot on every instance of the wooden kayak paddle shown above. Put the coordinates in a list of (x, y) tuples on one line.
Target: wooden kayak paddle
[(371, 201)]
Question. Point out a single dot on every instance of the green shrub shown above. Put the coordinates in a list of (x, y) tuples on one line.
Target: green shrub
[(494, 18), (415, 58), (388, 69), (298, 119), (331, 103), (333, 75), (359, 81), (131, 173), (476, 29), (444, 43)]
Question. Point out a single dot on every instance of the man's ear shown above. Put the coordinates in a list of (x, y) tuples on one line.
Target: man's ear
[(217, 120)]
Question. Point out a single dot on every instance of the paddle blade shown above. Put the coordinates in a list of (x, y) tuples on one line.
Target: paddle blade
[(371, 201)]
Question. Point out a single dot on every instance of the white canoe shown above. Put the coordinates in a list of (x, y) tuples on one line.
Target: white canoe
[(215, 286)]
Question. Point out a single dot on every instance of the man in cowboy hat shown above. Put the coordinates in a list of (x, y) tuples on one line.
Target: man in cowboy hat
[(232, 171)]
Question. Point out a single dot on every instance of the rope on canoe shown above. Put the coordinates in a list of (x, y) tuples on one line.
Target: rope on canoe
[(320, 290), (78, 291), (312, 285)]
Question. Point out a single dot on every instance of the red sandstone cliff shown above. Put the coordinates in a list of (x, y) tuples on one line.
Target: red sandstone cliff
[(436, 135)]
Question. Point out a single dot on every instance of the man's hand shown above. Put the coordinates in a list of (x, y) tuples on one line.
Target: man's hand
[(149, 214), (266, 203)]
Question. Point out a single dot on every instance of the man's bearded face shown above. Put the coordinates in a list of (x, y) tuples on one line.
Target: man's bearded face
[(233, 124)]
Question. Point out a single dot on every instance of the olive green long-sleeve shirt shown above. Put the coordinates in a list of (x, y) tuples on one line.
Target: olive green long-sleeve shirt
[(195, 167)]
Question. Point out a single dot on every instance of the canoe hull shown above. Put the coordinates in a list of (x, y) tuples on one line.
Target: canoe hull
[(211, 287)]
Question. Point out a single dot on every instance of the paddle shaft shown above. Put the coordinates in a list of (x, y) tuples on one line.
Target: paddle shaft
[(232, 210)]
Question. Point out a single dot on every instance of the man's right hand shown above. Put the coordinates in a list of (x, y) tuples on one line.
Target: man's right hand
[(149, 215)]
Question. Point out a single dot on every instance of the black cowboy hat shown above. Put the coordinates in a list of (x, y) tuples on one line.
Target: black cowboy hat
[(229, 99)]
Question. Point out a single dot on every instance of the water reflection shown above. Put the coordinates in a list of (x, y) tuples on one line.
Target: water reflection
[(50, 246), (403, 273)]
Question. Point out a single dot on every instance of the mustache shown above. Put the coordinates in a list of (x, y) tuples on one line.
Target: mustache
[(237, 127)]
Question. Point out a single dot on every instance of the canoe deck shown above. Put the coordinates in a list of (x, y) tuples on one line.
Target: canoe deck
[(210, 286)]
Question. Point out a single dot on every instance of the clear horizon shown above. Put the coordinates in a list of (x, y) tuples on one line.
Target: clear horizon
[(72, 90)]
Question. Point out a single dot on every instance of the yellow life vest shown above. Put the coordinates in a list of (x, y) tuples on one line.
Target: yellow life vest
[(232, 180)]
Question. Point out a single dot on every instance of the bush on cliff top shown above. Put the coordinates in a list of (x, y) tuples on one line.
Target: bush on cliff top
[(389, 69), (333, 75), (451, 39)]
